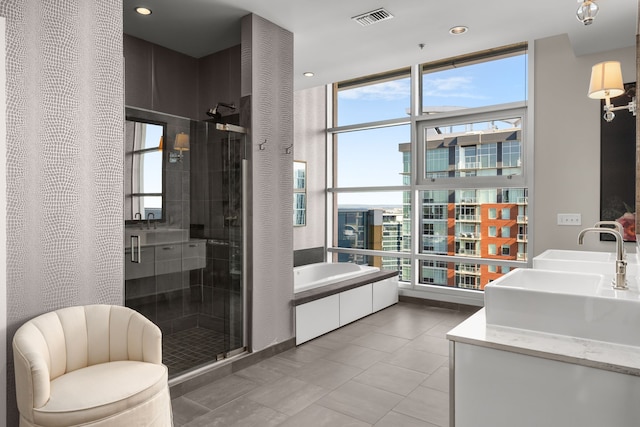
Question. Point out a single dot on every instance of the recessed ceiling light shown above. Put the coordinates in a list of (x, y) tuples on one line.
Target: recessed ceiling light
[(460, 29), (143, 10), (307, 74)]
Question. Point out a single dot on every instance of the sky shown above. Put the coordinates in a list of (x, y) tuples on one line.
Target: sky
[(371, 157)]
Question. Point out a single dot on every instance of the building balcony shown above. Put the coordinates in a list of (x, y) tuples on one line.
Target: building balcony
[(522, 219), (521, 238), (521, 256), (468, 252), (468, 236), (464, 269), (522, 201), (468, 218)]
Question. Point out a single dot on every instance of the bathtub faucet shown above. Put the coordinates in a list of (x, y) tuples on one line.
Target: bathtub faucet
[(620, 280)]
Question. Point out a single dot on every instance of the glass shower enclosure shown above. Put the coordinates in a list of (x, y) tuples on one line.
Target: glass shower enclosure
[(184, 234)]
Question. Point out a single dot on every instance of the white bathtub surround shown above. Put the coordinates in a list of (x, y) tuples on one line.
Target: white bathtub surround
[(331, 295), (571, 381), (325, 273)]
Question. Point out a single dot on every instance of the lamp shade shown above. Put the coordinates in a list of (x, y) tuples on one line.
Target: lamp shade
[(182, 142), (606, 80)]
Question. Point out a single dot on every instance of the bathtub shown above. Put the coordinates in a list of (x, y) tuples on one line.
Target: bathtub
[(325, 273), (326, 297)]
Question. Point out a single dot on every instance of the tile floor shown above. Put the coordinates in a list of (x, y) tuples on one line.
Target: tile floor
[(389, 369)]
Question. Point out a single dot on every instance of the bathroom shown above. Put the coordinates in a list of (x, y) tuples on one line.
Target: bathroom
[(561, 131)]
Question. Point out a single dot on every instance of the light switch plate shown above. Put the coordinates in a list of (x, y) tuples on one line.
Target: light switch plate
[(569, 219)]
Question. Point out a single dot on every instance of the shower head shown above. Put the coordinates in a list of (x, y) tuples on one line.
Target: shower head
[(213, 112)]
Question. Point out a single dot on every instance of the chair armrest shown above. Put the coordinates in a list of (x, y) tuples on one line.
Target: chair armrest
[(33, 385)]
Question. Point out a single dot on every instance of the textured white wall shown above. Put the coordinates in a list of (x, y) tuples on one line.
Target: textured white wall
[(310, 125), (64, 175), (267, 82), (567, 142)]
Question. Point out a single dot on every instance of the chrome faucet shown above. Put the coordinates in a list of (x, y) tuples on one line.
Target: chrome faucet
[(149, 216), (615, 224), (620, 280)]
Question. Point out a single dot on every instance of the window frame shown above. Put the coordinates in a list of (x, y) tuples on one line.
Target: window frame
[(417, 182)]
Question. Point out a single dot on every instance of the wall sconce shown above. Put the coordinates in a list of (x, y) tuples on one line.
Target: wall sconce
[(606, 83), (181, 144)]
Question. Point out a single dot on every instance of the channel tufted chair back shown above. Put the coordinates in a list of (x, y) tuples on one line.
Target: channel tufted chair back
[(97, 365)]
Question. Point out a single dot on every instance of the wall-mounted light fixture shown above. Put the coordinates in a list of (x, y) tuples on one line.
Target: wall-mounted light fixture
[(181, 144), (587, 11), (606, 83)]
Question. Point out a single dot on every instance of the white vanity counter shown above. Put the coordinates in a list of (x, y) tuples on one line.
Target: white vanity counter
[(595, 354), (503, 376)]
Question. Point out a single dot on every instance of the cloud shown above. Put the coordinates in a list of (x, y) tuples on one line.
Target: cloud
[(387, 91), (455, 86)]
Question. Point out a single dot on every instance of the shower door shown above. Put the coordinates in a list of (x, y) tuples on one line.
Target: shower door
[(184, 260), (217, 217)]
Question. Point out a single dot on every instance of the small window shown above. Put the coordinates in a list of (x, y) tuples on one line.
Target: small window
[(493, 213), (492, 249), (506, 232), (506, 213), (506, 250), (492, 231)]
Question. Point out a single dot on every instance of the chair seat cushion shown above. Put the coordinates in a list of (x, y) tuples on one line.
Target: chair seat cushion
[(99, 391)]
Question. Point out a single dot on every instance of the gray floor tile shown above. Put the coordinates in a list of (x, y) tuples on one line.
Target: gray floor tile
[(431, 344), (381, 342), (287, 395), (391, 378), (358, 356), (185, 410), (355, 329), (426, 404), (416, 360), (222, 391), (407, 327), (303, 354), (266, 371), (326, 373), (354, 377), (361, 401), (240, 412), (395, 419), (319, 416), (439, 380)]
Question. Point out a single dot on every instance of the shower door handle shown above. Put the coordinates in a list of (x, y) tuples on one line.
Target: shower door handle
[(135, 250)]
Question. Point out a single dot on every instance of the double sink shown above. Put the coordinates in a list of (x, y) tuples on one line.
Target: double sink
[(569, 293)]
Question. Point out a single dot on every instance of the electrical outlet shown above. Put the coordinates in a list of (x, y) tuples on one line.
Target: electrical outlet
[(569, 219)]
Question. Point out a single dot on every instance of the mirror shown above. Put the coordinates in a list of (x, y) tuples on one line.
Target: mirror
[(299, 193), (144, 177)]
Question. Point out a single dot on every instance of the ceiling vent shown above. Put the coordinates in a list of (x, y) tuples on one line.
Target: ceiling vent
[(372, 17)]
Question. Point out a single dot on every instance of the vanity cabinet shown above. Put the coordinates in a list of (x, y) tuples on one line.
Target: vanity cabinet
[(145, 268), (165, 258), (505, 377)]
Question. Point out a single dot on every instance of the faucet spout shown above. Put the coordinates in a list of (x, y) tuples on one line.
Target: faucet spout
[(620, 280), (149, 216)]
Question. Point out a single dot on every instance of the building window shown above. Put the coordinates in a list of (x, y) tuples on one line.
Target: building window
[(506, 213), (491, 248), (505, 232), (492, 231), (506, 250)]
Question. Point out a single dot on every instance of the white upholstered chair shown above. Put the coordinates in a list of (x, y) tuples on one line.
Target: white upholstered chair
[(95, 365)]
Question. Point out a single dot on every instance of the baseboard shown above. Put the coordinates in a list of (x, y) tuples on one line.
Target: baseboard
[(193, 380)]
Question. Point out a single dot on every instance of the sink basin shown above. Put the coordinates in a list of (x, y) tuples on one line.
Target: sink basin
[(575, 304), (583, 262), (156, 236)]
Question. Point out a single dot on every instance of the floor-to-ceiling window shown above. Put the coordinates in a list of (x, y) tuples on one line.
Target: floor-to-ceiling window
[(430, 171)]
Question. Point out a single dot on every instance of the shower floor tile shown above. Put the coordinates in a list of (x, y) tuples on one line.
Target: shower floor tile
[(190, 348)]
